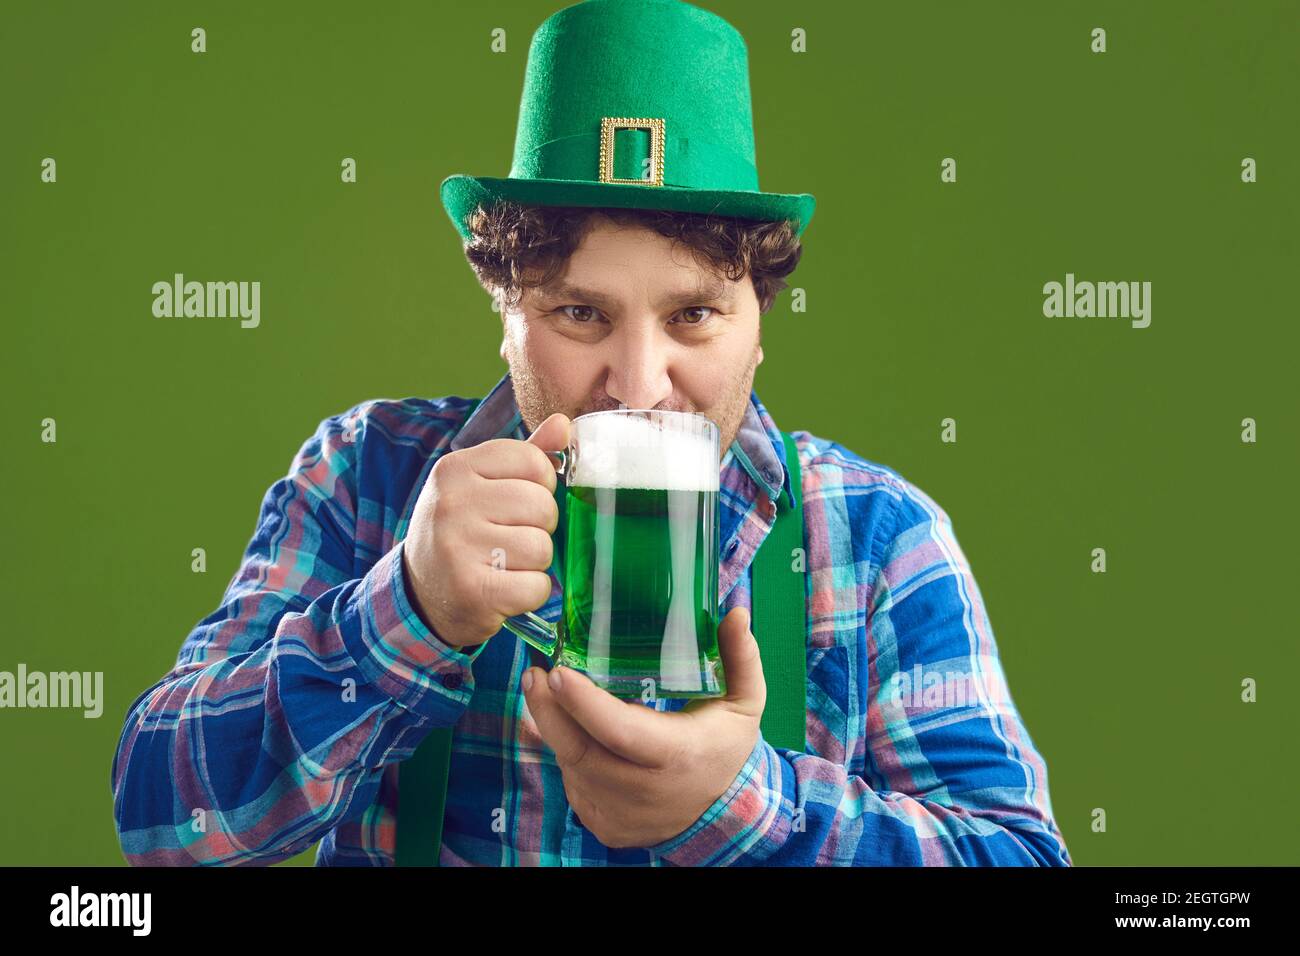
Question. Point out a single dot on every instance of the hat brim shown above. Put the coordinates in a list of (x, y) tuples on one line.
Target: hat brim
[(461, 194)]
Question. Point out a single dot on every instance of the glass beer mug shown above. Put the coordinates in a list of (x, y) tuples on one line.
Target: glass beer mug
[(640, 604)]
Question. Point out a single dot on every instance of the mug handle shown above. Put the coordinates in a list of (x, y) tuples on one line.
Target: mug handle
[(532, 628)]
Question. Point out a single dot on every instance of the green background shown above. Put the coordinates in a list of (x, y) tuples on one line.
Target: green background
[(924, 302)]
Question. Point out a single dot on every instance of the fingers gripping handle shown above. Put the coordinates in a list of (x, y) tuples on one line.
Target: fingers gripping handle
[(529, 627)]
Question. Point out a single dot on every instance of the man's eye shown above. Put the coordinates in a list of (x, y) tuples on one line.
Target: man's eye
[(585, 313), (696, 320)]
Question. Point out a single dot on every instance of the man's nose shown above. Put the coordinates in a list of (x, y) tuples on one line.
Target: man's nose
[(638, 369)]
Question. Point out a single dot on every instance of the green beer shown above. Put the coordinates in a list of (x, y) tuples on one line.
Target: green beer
[(640, 556), (641, 590)]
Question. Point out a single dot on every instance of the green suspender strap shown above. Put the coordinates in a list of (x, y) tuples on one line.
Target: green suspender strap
[(422, 799), (779, 623), (779, 617)]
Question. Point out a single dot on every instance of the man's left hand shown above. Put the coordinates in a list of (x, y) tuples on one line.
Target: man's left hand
[(637, 776)]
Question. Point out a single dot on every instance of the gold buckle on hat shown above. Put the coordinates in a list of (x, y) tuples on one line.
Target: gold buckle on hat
[(656, 127)]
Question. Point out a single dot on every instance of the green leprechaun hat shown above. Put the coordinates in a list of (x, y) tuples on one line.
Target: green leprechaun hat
[(634, 104)]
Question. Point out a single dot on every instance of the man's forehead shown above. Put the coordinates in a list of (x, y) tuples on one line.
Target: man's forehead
[(674, 291)]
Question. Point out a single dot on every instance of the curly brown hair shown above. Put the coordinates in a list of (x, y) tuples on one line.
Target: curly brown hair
[(515, 246)]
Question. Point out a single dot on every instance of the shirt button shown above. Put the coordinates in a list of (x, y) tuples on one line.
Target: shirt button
[(731, 548), (451, 681)]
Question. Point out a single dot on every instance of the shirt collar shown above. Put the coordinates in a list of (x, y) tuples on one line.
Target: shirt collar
[(758, 447)]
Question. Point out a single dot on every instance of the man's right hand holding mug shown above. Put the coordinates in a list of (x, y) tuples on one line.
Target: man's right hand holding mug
[(479, 543)]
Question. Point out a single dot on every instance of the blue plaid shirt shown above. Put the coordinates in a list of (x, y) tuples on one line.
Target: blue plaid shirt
[(292, 704)]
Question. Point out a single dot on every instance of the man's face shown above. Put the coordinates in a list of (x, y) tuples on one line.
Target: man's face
[(633, 322)]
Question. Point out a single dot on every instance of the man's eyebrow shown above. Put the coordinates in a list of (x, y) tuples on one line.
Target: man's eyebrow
[(713, 289)]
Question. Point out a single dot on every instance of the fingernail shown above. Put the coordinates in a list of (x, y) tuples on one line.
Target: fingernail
[(528, 680), (554, 678)]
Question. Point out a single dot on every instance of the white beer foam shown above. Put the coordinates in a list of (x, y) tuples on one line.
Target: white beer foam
[(630, 451)]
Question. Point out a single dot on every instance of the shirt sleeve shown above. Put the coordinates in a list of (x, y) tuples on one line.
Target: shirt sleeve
[(286, 702), (952, 776)]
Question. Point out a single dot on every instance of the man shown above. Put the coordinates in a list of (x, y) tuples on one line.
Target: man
[(368, 610)]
